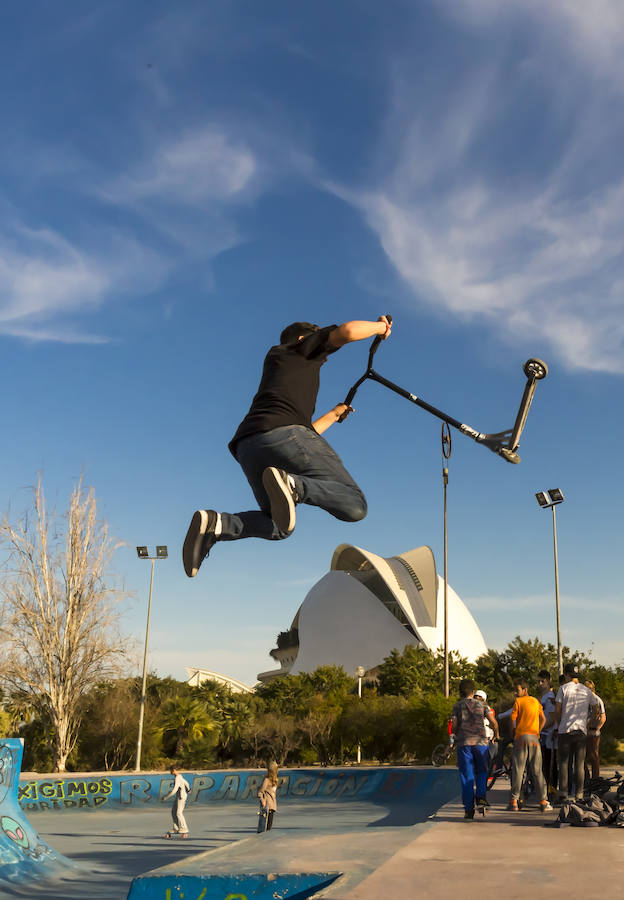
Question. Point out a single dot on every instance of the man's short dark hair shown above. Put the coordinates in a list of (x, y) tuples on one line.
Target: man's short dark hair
[(292, 332), (543, 673), (521, 682), (466, 687)]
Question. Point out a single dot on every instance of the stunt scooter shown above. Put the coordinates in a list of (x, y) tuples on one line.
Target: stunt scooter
[(504, 443)]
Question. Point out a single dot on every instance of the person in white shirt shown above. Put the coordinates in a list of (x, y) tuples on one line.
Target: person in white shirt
[(179, 792), (574, 704), (594, 726)]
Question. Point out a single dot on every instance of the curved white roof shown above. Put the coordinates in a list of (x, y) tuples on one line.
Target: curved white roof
[(341, 623), (369, 605), (197, 676)]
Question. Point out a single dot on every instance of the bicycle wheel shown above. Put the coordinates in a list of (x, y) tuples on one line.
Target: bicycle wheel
[(440, 754)]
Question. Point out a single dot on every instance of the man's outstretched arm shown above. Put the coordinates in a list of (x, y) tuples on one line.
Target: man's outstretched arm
[(330, 418), (359, 331)]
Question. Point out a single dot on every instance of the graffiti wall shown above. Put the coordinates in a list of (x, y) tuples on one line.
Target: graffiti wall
[(123, 791)]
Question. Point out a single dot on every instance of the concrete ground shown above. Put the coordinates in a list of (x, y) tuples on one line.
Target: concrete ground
[(114, 847), (505, 854)]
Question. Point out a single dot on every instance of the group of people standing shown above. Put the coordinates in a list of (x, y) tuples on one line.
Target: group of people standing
[(555, 737)]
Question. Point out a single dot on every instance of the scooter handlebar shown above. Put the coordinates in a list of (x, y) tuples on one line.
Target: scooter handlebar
[(373, 350)]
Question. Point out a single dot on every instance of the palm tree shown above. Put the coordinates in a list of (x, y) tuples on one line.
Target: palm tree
[(187, 718)]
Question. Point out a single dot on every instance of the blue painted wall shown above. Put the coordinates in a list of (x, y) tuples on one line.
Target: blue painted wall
[(392, 785)]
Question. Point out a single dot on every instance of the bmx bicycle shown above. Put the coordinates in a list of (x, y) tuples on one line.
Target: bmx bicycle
[(441, 753)]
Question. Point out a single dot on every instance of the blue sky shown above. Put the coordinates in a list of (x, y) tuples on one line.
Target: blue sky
[(180, 182)]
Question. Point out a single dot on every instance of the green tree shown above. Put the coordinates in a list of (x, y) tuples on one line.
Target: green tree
[(416, 671), (277, 737), (426, 724), (108, 735), (184, 718)]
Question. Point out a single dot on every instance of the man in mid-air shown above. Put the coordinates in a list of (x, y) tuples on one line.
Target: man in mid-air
[(281, 450)]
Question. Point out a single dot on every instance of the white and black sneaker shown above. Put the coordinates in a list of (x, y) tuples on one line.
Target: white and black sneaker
[(282, 497), (199, 540)]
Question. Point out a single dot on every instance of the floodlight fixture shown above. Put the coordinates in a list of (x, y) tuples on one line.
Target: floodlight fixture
[(549, 498), (142, 552), (161, 552)]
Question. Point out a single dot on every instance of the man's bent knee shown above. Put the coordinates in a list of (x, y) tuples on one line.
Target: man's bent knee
[(355, 510)]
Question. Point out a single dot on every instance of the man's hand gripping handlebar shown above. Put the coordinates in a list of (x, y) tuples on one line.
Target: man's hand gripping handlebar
[(387, 320)]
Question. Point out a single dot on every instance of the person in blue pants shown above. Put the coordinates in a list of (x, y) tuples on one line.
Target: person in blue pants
[(468, 726)]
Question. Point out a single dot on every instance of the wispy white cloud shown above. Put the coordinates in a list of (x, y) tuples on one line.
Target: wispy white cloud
[(476, 230), (49, 284), (178, 202), (42, 277), (202, 165), (594, 31), (187, 191)]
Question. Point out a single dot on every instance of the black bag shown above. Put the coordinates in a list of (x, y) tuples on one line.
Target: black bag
[(589, 812)]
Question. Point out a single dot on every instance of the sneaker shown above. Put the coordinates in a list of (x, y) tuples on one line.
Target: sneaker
[(199, 540), (469, 814), (481, 801), (545, 806), (513, 804), (282, 498)]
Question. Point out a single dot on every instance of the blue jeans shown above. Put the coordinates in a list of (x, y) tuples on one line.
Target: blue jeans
[(319, 475), (472, 763)]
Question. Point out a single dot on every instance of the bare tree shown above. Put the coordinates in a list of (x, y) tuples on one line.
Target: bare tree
[(59, 616)]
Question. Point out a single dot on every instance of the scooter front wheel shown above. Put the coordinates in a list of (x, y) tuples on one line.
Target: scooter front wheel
[(535, 368)]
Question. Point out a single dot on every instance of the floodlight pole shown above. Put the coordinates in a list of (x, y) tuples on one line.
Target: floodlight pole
[(559, 650), (161, 553), (446, 455), (137, 767), (545, 499), (360, 671)]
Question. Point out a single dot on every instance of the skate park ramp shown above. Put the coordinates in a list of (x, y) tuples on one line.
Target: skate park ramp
[(333, 828), (24, 856)]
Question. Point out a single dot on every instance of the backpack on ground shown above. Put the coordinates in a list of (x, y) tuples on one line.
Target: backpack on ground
[(591, 811)]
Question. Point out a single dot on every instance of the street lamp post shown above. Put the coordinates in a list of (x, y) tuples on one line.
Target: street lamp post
[(447, 446), (552, 499), (143, 553), (360, 672)]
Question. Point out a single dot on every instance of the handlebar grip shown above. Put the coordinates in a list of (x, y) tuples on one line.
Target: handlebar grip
[(377, 342)]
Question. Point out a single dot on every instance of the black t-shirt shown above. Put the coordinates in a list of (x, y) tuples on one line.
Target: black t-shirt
[(289, 386)]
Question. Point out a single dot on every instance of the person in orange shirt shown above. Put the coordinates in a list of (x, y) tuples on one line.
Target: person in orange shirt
[(527, 720)]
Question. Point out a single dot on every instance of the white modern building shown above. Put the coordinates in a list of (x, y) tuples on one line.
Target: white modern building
[(366, 606), (197, 676)]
